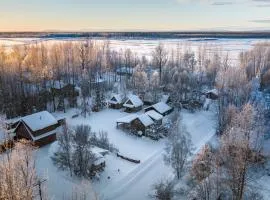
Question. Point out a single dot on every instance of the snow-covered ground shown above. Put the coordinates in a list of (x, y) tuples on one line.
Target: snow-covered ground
[(131, 181), (145, 47)]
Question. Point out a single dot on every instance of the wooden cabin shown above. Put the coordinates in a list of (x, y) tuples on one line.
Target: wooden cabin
[(41, 128), (116, 102), (133, 104), (125, 122), (161, 108), (64, 89), (141, 123)]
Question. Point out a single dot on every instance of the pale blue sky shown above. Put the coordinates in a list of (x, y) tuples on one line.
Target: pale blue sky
[(119, 15)]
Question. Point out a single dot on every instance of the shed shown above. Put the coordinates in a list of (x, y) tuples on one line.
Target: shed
[(133, 104), (41, 128), (161, 108), (116, 101)]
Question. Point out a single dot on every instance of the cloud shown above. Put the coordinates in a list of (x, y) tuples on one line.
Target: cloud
[(223, 3), (262, 1), (264, 21)]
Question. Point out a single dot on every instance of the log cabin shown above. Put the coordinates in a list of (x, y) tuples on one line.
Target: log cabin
[(116, 102), (133, 104), (41, 128)]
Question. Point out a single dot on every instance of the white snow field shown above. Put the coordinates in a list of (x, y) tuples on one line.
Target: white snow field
[(131, 181)]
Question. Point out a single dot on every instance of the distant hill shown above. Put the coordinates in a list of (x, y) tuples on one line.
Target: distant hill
[(142, 35)]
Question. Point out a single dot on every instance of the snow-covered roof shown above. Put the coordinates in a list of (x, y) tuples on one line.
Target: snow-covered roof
[(40, 120), (135, 101), (154, 115), (97, 150), (117, 98), (127, 119), (99, 159), (213, 91), (146, 120), (161, 107)]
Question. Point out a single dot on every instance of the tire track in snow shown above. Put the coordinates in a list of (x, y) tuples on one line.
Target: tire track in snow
[(119, 187)]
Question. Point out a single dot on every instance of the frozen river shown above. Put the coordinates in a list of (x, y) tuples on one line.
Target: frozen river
[(141, 47)]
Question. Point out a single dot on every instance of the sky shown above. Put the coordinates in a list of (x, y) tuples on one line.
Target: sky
[(134, 15)]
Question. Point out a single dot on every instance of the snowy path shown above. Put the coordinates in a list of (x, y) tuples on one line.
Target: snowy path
[(111, 192)]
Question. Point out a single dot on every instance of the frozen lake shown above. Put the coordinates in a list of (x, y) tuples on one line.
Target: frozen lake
[(141, 47)]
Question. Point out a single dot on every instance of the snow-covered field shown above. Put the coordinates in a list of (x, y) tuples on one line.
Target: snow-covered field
[(145, 47), (132, 181)]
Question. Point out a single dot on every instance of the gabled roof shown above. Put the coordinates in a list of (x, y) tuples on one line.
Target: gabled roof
[(213, 91), (145, 120), (135, 101), (40, 120), (127, 119), (117, 98), (154, 115), (161, 107)]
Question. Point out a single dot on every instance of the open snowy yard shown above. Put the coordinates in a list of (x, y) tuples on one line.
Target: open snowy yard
[(131, 181)]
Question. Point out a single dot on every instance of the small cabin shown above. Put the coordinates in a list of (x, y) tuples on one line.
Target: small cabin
[(161, 108), (212, 94), (141, 123), (125, 122), (133, 104), (63, 89), (99, 163), (41, 128), (116, 102)]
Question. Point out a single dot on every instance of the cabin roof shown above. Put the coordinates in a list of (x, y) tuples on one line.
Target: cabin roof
[(213, 91), (161, 107), (154, 115), (118, 99), (145, 120), (40, 120), (127, 119), (135, 100)]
